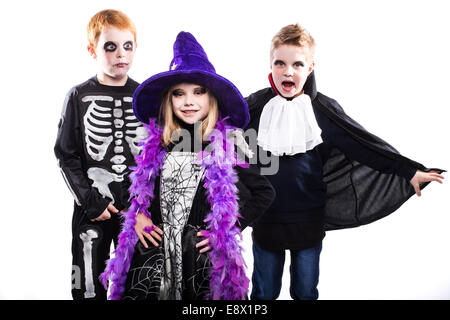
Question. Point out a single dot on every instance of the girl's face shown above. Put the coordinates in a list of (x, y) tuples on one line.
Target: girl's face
[(290, 69), (190, 102)]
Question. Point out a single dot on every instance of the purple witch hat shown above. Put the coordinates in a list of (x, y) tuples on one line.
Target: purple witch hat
[(190, 64)]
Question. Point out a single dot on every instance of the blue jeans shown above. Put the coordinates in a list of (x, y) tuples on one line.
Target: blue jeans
[(268, 271)]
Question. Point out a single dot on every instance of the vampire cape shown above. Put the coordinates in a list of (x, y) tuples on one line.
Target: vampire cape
[(356, 193)]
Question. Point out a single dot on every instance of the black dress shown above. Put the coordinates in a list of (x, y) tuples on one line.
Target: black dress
[(175, 269)]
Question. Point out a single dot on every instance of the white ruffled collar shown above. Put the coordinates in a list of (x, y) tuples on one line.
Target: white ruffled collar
[(288, 126)]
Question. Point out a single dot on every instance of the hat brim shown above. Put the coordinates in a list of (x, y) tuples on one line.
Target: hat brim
[(148, 96)]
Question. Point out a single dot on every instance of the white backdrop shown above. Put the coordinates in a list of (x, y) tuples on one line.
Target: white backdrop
[(393, 55)]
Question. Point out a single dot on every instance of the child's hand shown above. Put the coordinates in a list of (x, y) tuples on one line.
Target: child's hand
[(203, 233), (106, 214), (421, 177), (144, 227)]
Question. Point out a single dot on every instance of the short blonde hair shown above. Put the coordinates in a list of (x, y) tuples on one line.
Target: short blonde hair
[(294, 34), (108, 18), (171, 124)]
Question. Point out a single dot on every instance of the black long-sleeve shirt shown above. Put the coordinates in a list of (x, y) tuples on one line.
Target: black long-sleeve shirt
[(95, 140)]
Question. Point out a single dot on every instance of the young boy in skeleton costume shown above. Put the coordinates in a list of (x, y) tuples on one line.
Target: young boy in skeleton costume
[(96, 143), (189, 197), (332, 173)]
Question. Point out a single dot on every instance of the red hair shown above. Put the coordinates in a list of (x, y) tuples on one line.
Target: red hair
[(108, 18)]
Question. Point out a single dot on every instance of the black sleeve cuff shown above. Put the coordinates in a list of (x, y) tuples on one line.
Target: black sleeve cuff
[(94, 211), (407, 172)]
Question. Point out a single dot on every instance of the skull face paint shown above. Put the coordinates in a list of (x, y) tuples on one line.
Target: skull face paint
[(114, 53)]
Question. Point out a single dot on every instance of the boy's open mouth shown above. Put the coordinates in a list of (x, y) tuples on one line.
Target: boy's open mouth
[(288, 86)]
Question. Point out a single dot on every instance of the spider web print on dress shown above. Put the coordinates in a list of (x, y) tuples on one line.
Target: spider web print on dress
[(144, 280), (199, 282), (180, 177), (147, 270), (196, 278)]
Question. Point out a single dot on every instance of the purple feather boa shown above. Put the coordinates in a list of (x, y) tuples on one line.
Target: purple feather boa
[(227, 276), (228, 280)]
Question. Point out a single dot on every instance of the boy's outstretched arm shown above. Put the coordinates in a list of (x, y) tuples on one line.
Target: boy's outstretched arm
[(422, 177), (357, 151)]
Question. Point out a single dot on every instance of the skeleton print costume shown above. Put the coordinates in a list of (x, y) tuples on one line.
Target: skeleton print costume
[(97, 140)]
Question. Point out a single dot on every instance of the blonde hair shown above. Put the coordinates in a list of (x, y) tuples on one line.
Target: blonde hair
[(108, 18), (294, 34), (170, 123)]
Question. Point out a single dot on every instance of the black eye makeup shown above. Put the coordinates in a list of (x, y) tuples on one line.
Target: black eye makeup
[(128, 45), (177, 93), (200, 90), (109, 46), (278, 63)]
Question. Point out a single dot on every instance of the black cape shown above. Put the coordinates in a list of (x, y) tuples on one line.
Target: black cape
[(356, 193)]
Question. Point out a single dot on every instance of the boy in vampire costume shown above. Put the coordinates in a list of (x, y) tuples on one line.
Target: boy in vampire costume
[(332, 173)]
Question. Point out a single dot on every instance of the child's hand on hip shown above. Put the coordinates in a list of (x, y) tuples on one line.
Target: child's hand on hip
[(106, 214), (144, 227), (203, 243)]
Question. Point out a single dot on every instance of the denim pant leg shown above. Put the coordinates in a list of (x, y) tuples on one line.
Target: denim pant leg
[(267, 273), (305, 273)]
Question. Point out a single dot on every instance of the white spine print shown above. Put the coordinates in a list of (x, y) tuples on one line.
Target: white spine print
[(135, 135)]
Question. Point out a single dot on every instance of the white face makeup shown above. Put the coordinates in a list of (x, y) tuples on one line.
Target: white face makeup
[(190, 102), (114, 54), (290, 70)]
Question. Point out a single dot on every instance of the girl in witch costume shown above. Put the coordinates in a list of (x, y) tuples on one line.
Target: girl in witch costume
[(190, 199)]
